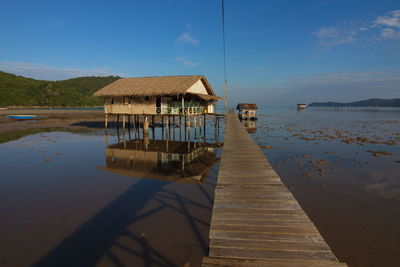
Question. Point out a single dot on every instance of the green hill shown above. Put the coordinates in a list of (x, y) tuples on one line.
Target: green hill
[(373, 102), (21, 91)]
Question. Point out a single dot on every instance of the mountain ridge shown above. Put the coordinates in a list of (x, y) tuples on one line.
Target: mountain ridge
[(372, 102), (22, 91)]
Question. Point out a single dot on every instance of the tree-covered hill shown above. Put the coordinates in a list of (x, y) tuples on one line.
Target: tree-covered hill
[(21, 91), (373, 102)]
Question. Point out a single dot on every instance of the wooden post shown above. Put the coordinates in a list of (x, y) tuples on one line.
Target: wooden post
[(153, 126), (200, 124), (134, 125), (185, 129), (106, 121), (138, 125), (188, 129), (123, 121), (117, 121), (180, 128), (204, 127), (146, 131), (173, 127), (162, 127)]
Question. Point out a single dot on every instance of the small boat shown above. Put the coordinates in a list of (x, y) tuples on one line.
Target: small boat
[(22, 117), (2, 107)]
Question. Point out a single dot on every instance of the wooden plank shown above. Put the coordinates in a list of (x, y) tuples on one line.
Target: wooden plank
[(271, 217), (307, 229), (256, 220), (267, 236), (224, 262), (269, 245), (299, 222), (240, 253)]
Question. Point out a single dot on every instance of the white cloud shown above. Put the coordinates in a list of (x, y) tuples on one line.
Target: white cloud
[(186, 62), (382, 27), (390, 21), (337, 35), (186, 38), (45, 72), (390, 33)]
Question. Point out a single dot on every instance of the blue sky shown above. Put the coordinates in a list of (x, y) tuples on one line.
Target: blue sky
[(278, 52)]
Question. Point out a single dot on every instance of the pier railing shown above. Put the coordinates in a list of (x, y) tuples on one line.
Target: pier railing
[(180, 110)]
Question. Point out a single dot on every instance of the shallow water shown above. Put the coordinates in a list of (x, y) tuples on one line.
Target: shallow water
[(352, 195), (70, 199)]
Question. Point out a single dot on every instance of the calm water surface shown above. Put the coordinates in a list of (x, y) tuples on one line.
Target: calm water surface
[(86, 200), (352, 195)]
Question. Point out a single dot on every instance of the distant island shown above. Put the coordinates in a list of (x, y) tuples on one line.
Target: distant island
[(21, 91), (373, 102)]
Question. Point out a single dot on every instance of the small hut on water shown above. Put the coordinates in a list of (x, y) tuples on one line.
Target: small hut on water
[(163, 95), (301, 106), (247, 111)]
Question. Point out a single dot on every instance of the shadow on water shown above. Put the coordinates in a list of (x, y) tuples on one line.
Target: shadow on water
[(162, 159), (91, 241)]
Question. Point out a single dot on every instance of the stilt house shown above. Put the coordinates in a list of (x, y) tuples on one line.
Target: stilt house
[(171, 95), (247, 111), (301, 106), (165, 160)]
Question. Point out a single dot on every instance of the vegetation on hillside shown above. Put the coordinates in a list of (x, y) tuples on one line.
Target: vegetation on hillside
[(373, 102), (21, 91)]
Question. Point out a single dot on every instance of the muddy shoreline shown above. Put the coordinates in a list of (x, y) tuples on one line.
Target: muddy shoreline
[(48, 118), (343, 169)]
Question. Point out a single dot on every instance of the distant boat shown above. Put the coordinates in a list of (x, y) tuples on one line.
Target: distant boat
[(2, 107), (22, 117)]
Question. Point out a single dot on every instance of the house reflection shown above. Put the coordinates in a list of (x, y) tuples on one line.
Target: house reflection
[(165, 160), (249, 125)]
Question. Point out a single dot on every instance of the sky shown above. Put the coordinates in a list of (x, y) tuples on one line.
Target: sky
[(278, 52)]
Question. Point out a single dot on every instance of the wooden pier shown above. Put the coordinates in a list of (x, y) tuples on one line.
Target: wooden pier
[(256, 221)]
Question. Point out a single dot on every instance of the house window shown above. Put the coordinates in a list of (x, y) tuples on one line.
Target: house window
[(112, 101), (147, 98), (127, 100)]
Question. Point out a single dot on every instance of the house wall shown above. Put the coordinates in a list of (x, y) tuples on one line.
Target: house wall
[(247, 113), (210, 107), (137, 105), (198, 88)]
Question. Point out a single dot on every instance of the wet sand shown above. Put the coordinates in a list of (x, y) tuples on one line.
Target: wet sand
[(58, 207), (343, 168), (56, 118)]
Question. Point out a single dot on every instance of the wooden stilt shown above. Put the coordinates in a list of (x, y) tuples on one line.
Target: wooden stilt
[(173, 127), (204, 127), (153, 126), (106, 121), (185, 129), (180, 128), (134, 125), (162, 127)]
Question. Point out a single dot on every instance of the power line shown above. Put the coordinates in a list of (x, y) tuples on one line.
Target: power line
[(223, 36), (224, 52)]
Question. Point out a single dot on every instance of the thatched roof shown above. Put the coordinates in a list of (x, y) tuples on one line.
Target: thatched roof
[(246, 106), (157, 86)]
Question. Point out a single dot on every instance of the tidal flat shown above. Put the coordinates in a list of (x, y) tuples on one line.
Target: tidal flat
[(344, 169), (72, 194)]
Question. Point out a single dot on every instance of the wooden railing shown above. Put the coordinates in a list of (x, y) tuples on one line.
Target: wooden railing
[(181, 111)]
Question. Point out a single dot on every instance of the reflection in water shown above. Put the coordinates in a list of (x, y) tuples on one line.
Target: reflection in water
[(249, 125), (165, 160), (160, 218)]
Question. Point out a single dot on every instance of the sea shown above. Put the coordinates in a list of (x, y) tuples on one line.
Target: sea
[(121, 198)]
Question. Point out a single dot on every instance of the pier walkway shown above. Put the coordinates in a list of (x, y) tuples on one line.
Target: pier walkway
[(256, 221)]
